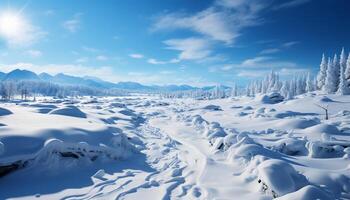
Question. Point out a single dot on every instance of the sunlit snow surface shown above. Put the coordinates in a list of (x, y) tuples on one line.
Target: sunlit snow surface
[(143, 147)]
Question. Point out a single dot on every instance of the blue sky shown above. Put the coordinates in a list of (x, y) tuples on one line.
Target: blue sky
[(196, 42)]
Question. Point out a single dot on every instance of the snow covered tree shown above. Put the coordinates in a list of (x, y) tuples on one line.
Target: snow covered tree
[(343, 88), (347, 70), (321, 76), (309, 84), (285, 89), (336, 67), (330, 85), (342, 61)]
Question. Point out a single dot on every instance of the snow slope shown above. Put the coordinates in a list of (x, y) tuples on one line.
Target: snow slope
[(145, 147)]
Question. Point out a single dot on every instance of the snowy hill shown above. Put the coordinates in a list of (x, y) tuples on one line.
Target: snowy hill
[(18, 74), (94, 82), (148, 147)]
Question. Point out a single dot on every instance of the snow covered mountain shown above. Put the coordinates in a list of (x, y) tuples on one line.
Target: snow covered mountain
[(89, 81), (18, 74)]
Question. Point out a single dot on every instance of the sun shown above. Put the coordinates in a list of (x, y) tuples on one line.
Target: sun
[(11, 24)]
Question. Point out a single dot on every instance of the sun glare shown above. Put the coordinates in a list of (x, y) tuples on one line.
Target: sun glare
[(10, 24)]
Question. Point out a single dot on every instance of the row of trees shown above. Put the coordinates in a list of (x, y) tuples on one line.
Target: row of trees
[(334, 74), (333, 77), (25, 89)]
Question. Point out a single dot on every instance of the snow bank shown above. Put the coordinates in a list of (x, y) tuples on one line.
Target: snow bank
[(306, 193), (271, 98), (4, 111), (296, 123), (279, 177), (290, 146), (212, 108), (322, 150), (57, 153), (71, 111)]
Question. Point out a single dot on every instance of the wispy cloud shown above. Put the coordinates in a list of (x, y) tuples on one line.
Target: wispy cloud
[(159, 62), (270, 51), (90, 49), (82, 60), (190, 48), (101, 58), (290, 44), (34, 53), (290, 4), (136, 56), (72, 25), (223, 21), (280, 48)]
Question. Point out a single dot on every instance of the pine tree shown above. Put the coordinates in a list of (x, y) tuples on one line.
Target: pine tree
[(336, 67), (309, 84), (343, 89), (321, 76), (342, 61), (347, 70), (331, 80)]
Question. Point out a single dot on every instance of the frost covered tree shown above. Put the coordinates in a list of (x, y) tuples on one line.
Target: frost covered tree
[(285, 90), (343, 88), (309, 84), (336, 67), (347, 70), (330, 85), (342, 62), (321, 76)]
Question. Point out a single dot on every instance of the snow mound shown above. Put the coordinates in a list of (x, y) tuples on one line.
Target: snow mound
[(4, 111), (292, 114), (323, 128), (322, 150), (290, 146), (117, 105), (198, 121), (296, 123), (306, 193), (214, 130), (279, 177), (325, 99), (271, 98), (71, 111), (212, 108), (55, 150)]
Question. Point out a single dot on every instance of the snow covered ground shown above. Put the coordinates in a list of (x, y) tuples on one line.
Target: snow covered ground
[(144, 147)]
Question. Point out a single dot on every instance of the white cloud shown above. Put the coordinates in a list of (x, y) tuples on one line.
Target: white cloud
[(190, 48), (34, 53), (72, 25), (136, 55), (253, 62), (289, 4), (159, 62), (227, 67), (82, 60), (166, 72), (290, 44), (101, 58), (223, 21), (49, 12), (90, 49), (270, 51)]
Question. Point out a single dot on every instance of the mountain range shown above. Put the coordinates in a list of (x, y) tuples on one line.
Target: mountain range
[(90, 81)]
